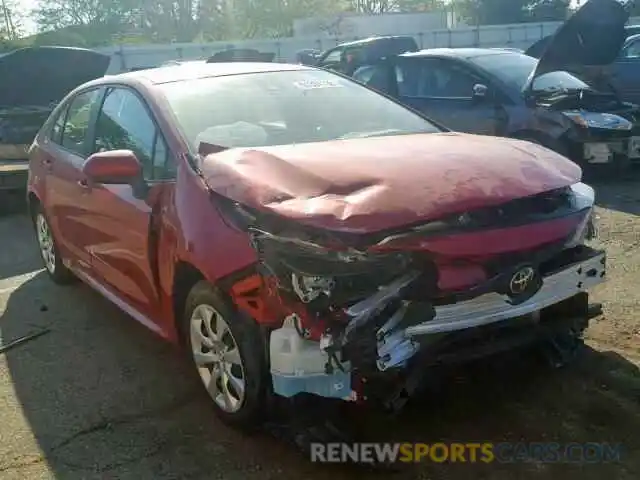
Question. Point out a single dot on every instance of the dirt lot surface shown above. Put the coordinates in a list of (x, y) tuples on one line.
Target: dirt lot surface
[(99, 397)]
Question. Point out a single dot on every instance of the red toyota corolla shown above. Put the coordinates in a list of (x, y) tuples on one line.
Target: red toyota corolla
[(297, 232)]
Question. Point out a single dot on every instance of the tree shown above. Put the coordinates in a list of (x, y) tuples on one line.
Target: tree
[(10, 20), (421, 5), (372, 7), (549, 10), (274, 18), (56, 14), (495, 12), (178, 20)]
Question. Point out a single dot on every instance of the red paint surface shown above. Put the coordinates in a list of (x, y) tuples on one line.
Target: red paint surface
[(366, 185)]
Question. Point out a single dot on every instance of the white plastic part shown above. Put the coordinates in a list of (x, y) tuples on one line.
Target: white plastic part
[(299, 366), (291, 354)]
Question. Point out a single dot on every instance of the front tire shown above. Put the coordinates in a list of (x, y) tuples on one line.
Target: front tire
[(49, 251), (227, 353)]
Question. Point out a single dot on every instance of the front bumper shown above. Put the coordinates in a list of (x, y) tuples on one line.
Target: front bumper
[(572, 276), (573, 279)]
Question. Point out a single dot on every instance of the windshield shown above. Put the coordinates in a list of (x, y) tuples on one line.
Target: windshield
[(286, 107), (514, 70)]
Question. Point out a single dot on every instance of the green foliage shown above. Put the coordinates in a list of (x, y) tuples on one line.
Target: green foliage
[(495, 12), (91, 23)]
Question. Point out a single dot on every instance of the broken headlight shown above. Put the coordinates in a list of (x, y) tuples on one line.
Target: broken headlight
[(583, 198), (313, 264), (312, 270), (606, 121)]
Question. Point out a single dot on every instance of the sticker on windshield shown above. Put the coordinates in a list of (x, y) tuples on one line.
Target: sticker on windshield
[(311, 84)]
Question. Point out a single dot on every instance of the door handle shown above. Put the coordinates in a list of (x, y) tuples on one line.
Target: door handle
[(84, 184), (47, 163)]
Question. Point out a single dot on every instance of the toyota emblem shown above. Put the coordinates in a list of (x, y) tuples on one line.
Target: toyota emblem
[(521, 280)]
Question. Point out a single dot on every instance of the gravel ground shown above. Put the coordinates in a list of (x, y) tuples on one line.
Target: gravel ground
[(99, 397)]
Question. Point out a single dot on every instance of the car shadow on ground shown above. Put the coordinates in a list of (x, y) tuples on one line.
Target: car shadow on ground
[(104, 398), (13, 230)]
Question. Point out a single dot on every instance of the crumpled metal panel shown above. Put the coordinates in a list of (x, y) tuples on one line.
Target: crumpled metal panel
[(368, 185)]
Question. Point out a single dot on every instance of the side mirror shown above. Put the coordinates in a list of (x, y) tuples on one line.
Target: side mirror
[(113, 167), (480, 92)]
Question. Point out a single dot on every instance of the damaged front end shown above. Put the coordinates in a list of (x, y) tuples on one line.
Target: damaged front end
[(362, 316), (604, 129)]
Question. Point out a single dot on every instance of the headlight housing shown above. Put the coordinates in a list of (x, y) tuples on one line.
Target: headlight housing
[(583, 198), (608, 121)]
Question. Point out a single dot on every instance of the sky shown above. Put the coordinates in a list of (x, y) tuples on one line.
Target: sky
[(26, 6)]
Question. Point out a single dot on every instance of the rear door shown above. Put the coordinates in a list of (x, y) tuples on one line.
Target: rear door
[(61, 157), (124, 229), (443, 90)]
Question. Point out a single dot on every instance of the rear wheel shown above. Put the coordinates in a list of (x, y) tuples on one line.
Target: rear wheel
[(49, 249), (227, 353)]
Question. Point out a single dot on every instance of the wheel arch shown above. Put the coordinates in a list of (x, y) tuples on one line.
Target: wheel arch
[(185, 277), (33, 201)]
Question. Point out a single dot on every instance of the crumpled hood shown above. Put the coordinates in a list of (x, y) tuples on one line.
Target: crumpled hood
[(373, 184), (593, 36)]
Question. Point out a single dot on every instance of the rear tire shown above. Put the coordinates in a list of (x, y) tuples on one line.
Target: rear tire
[(226, 351), (49, 251)]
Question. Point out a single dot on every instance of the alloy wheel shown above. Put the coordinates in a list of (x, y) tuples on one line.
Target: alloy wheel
[(45, 240), (217, 358)]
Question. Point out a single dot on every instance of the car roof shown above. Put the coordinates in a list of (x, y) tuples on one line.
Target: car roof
[(198, 69), (632, 38), (463, 53), (365, 41)]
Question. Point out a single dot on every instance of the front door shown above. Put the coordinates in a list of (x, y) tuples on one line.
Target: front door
[(124, 221), (443, 90)]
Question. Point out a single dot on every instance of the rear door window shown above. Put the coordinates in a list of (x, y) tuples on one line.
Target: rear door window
[(435, 78), (58, 126), (78, 121)]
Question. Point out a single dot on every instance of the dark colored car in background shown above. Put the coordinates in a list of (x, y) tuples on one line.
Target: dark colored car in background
[(32, 82), (620, 74), (621, 77), (347, 57), (241, 55), (506, 93), (228, 55)]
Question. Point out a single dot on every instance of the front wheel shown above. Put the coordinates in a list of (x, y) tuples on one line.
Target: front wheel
[(227, 353)]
